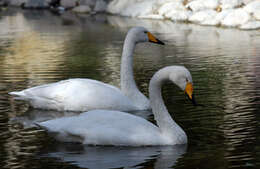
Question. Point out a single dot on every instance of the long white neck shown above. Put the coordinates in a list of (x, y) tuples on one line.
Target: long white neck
[(128, 85), (166, 124)]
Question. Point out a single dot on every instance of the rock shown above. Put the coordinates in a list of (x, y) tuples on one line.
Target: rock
[(100, 6), (33, 4), (90, 3), (3, 2), (17, 2), (82, 9), (54, 3), (68, 3)]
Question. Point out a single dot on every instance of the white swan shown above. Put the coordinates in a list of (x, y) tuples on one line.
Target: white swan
[(105, 127), (87, 94)]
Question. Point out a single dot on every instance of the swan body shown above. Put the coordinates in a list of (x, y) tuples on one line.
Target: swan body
[(65, 95), (106, 127), (87, 94)]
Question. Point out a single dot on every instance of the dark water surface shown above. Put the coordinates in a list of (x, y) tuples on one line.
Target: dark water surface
[(37, 47)]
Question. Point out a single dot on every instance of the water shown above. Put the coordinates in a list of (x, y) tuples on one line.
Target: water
[(38, 47)]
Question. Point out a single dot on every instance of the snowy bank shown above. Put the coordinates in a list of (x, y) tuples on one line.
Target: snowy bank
[(242, 14)]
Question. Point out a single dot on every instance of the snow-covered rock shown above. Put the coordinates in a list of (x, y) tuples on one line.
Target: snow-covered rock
[(168, 7), (250, 25), (247, 1), (221, 15), (177, 15), (138, 9), (236, 17), (151, 16), (254, 9), (82, 9), (174, 10), (231, 13), (205, 17), (198, 5), (229, 4)]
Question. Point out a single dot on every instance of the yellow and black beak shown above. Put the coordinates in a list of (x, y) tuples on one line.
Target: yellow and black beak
[(189, 92), (153, 39)]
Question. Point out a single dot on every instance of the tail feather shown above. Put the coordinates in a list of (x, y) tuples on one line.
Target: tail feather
[(40, 126), (20, 95)]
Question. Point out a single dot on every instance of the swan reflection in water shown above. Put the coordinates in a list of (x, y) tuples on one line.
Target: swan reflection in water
[(103, 157)]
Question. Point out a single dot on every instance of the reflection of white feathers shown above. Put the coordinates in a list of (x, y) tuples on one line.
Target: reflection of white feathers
[(104, 127), (113, 157)]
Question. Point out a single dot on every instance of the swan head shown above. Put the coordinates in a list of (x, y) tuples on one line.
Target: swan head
[(182, 78), (141, 34)]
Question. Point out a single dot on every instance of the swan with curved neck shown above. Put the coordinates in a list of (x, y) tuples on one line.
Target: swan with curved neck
[(105, 127), (87, 94)]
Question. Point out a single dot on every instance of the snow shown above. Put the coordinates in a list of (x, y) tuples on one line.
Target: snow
[(242, 14)]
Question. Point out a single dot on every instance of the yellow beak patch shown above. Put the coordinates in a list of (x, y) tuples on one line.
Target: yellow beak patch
[(189, 89), (151, 37)]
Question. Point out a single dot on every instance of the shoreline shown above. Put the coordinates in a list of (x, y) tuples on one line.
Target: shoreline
[(239, 14)]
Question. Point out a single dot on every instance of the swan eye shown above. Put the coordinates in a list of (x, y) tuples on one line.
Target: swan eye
[(187, 80), (145, 32)]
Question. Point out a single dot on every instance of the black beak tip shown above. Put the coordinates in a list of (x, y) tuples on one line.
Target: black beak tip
[(193, 100), (157, 42), (160, 42)]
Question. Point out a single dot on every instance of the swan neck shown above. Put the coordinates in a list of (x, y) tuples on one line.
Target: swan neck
[(164, 120), (128, 84), (159, 109)]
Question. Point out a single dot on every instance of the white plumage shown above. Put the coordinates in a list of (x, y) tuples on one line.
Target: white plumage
[(105, 127), (76, 94)]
